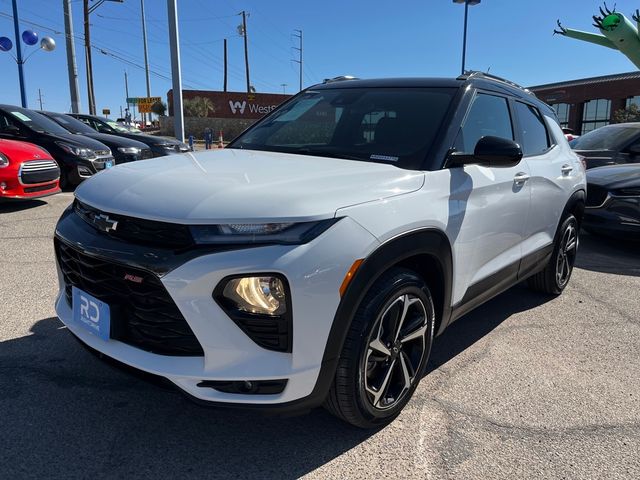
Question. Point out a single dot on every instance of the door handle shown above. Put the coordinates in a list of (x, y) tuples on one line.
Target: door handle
[(520, 178), (566, 169)]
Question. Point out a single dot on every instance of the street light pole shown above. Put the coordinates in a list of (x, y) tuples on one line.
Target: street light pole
[(467, 3), (23, 94), (176, 74)]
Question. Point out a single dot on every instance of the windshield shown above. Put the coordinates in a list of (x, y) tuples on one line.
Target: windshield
[(37, 122), (386, 125), (71, 124), (118, 127), (605, 138)]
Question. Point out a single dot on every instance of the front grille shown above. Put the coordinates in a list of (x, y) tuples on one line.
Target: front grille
[(39, 171), (103, 153), (136, 230), (596, 195), (39, 188), (146, 153), (142, 312)]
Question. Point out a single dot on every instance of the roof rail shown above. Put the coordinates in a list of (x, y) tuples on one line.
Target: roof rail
[(341, 78), (473, 73)]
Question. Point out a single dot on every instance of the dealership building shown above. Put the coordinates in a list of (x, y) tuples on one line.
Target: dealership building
[(229, 112), (586, 104)]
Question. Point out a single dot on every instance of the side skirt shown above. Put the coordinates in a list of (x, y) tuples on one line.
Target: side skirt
[(496, 283)]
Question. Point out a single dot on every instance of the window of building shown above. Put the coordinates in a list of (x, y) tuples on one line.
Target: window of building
[(489, 115), (596, 114), (635, 100), (533, 130), (562, 110)]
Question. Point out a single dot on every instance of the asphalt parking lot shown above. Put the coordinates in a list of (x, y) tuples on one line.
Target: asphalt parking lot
[(526, 386)]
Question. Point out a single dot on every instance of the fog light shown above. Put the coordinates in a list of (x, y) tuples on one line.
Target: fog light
[(3, 186), (84, 172), (260, 295)]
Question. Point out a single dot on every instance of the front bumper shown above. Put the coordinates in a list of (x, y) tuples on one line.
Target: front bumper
[(617, 216), (314, 271)]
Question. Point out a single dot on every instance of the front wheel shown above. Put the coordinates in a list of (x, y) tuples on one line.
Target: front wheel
[(386, 351), (555, 276)]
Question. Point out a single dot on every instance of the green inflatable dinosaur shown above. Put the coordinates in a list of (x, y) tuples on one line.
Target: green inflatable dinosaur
[(618, 33)]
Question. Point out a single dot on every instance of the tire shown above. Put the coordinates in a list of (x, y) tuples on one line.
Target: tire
[(556, 274), (381, 365)]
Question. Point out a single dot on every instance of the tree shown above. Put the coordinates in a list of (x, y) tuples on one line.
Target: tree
[(198, 107), (629, 114), (159, 108)]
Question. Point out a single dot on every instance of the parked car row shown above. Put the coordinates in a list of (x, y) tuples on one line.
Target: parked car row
[(612, 157), (84, 145)]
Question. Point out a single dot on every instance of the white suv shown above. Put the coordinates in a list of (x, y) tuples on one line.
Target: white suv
[(314, 260)]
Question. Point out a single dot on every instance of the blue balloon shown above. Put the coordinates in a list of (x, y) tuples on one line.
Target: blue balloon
[(5, 44), (29, 37)]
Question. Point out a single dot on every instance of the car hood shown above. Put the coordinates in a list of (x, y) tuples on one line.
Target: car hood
[(596, 153), (80, 141), (114, 140), (615, 176), (242, 186), (149, 139)]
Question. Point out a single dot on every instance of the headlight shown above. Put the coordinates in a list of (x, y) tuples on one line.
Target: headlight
[(81, 152), (4, 160), (183, 147), (130, 150), (260, 233), (261, 295)]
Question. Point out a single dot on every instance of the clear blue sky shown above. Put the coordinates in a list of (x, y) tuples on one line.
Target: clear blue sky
[(363, 38)]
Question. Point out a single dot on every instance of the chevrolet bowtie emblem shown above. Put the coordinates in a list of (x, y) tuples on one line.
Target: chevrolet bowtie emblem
[(104, 223)]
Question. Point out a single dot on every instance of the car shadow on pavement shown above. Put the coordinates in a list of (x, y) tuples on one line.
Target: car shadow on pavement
[(608, 255), (63, 412), (19, 205), (473, 326)]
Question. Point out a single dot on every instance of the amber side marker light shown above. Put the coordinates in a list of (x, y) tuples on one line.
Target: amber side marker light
[(349, 276)]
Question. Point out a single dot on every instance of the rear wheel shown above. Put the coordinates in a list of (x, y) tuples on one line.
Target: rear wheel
[(555, 276), (385, 352)]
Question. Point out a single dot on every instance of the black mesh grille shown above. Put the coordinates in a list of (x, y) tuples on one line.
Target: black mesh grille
[(39, 188), (142, 312), (596, 195), (136, 230), (146, 153)]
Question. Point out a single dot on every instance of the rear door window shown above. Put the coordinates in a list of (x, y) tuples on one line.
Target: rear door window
[(488, 116), (533, 131)]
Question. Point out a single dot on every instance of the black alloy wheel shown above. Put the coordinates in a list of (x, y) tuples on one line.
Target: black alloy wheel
[(386, 351)]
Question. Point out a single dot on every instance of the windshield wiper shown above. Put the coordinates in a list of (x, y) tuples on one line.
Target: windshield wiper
[(324, 153)]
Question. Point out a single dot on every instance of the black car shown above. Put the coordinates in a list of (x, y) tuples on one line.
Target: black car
[(123, 149), (160, 146), (613, 201), (79, 157), (609, 145)]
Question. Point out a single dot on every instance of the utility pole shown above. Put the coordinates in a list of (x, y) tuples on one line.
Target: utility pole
[(87, 54), (246, 48), (284, 88), (40, 98), (299, 36), (126, 89), (71, 58), (146, 57), (16, 26), (224, 89), (176, 75)]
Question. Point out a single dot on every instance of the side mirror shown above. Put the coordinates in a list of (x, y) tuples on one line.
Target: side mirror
[(12, 130), (490, 151)]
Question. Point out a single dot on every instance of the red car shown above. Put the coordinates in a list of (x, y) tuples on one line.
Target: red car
[(26, 171)]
